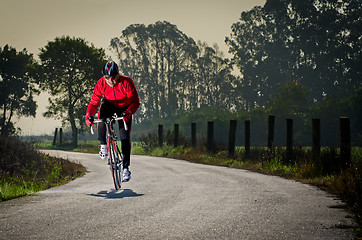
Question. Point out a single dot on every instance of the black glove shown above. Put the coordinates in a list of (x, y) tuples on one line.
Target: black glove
[(127, 115), (89, 121)]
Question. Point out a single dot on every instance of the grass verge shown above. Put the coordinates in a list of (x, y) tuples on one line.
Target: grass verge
[(24, 170)]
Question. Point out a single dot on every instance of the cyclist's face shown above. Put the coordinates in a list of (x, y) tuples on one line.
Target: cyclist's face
[(111, 81)]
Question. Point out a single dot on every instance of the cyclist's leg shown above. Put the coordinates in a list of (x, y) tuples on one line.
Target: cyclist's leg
[(126, 142), (102, 133), (105, 111)]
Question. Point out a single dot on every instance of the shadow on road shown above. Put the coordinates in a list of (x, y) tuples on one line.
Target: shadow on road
[(116, 194)]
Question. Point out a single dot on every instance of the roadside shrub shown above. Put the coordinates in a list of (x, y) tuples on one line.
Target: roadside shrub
[(24, 170)]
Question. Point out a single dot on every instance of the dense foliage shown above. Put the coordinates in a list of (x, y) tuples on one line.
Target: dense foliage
[(315, 42)]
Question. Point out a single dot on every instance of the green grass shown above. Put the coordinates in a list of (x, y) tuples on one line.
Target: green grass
[(85, 147), (12, 189)]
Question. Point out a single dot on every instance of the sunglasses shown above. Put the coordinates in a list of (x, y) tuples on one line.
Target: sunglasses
[(110, 78)]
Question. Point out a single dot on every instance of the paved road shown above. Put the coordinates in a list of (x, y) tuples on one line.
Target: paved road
[(173, 199)]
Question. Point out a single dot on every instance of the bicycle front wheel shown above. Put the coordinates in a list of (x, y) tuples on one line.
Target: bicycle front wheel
[(116, 168)]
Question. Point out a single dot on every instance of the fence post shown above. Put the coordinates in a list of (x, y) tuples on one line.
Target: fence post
[(316, 140), (289, 140), (193, 134), (60, 136), (232, 134), (247, 137), (271, 123), (345, 142), (210, 136), (176, 141), (160, 135), (55, 136)]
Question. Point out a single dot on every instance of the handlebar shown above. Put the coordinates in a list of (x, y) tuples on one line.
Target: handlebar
[(114, 118)]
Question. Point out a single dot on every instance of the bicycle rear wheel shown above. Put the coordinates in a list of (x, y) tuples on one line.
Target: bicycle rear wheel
[(116, 168)]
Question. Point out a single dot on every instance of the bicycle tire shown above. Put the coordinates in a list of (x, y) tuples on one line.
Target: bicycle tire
[(119, 163), (115, 167)]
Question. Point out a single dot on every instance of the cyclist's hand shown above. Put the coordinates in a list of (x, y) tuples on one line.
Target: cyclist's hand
[(127, 115), (89, 121)]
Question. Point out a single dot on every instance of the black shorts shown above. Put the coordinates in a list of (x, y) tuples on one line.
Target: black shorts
[(107, 110)]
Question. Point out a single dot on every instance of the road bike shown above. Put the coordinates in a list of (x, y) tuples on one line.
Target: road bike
[(115, 157)]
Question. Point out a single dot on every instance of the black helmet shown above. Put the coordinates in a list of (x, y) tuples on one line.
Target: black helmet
[(110, 69)]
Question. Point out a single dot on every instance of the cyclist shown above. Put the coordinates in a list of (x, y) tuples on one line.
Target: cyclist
[(117, 94)]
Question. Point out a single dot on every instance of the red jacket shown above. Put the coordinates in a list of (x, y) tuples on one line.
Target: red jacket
[(124, 93)]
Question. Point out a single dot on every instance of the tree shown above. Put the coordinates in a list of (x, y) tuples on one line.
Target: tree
[(315, 42), (354, 103), (157, 57), (71, 68), (17, 87), (290, 101), (171, 71), (250, 41), (214, 80)]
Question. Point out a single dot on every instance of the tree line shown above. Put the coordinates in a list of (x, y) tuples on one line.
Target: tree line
[(315, 42), (310, 51), (173, 72)]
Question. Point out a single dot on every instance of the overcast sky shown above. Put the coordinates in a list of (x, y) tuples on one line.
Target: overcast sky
[(31, 24)]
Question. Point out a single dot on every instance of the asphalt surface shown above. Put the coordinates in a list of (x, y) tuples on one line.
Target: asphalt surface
[(173, 199)]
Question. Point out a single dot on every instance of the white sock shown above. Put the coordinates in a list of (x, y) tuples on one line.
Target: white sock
[(103, 148)]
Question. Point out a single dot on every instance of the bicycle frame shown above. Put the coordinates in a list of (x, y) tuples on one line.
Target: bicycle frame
[(114, 155)]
